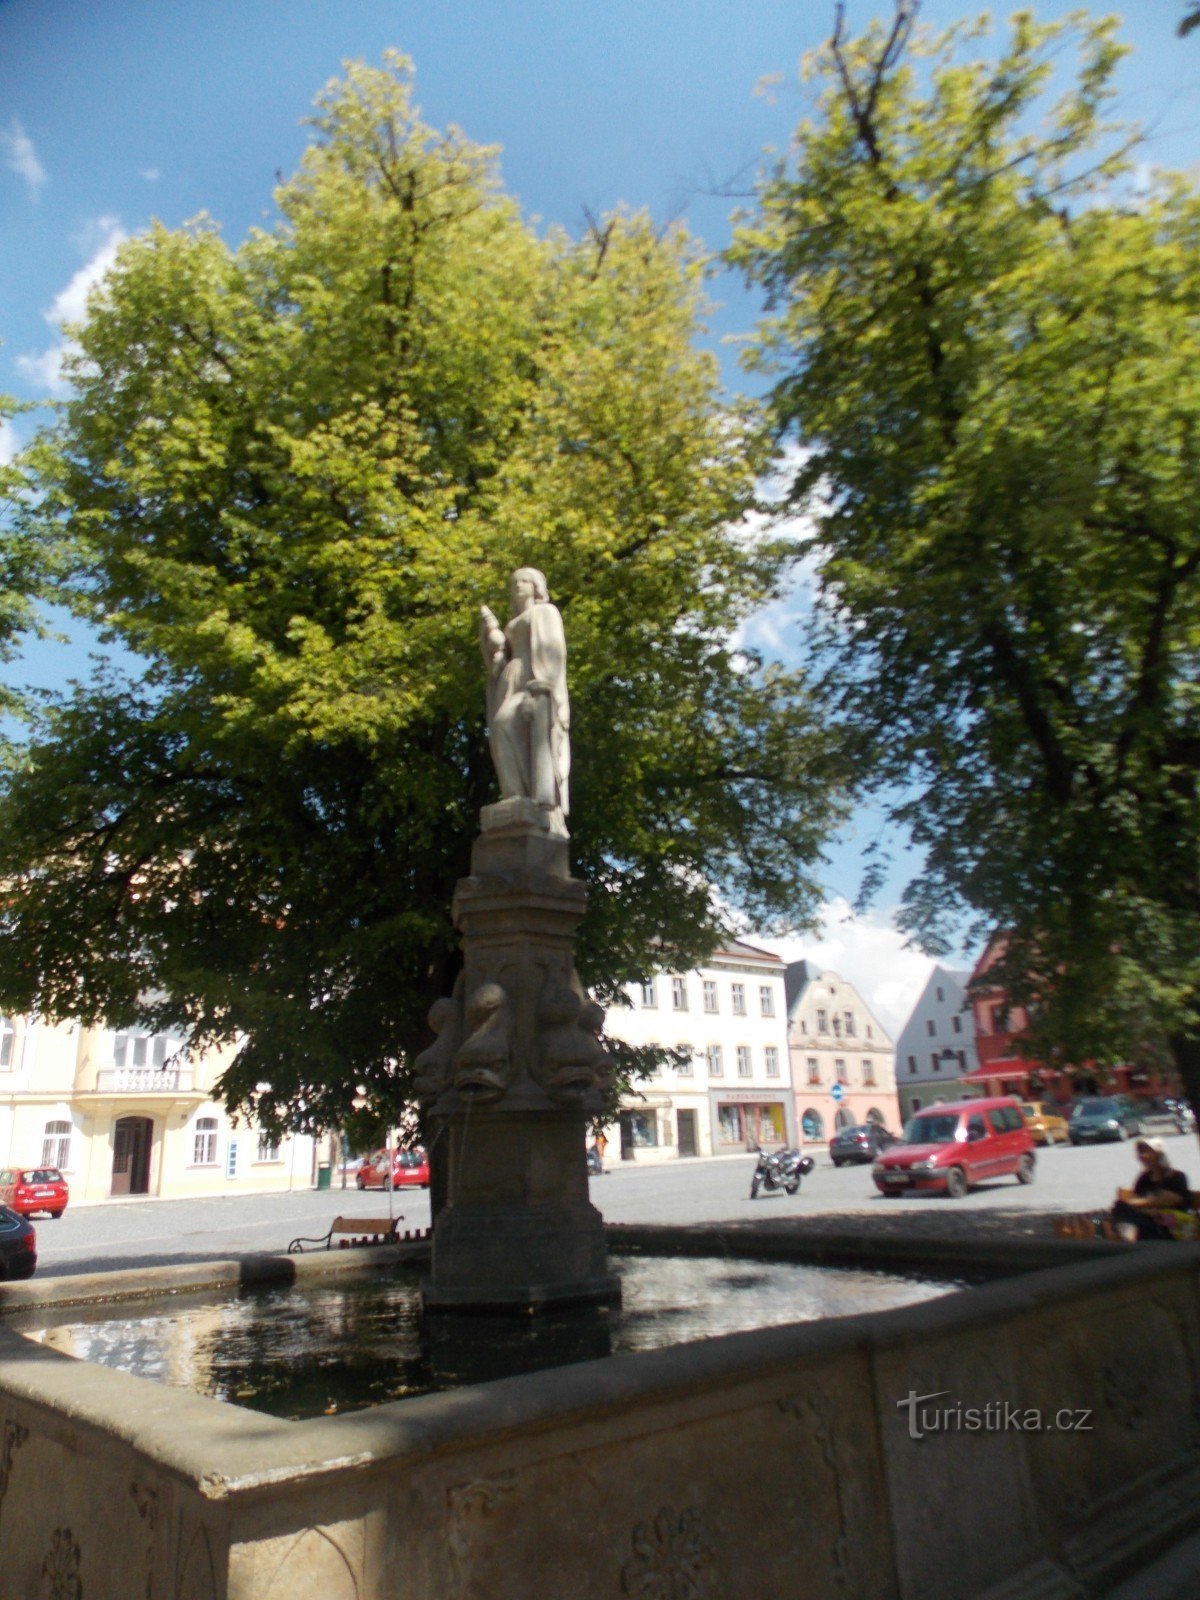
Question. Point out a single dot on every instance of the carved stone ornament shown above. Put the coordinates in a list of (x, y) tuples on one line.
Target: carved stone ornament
[(60, 1569), (15, 1435), (671, 1559)]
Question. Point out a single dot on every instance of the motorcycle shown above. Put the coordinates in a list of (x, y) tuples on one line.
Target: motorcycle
[(783, 1169)]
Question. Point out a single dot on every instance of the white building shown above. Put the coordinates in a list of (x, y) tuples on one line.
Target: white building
[(129, 1113), (834, 1038), (735, 1090), (937, 1044)]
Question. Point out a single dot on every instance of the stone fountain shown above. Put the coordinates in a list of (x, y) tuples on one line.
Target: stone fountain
[(517, 1068)]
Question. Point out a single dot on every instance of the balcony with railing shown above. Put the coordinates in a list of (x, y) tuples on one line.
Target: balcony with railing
[(144, 1080)]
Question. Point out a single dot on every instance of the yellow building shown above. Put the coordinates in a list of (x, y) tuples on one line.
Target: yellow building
[(130, 1113)]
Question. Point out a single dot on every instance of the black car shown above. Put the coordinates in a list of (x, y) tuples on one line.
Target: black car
[(18, 1245), (862, 1143), (1103, 1117)]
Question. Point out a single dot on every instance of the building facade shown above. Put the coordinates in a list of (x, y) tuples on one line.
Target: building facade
[(936, 1047), (834, 1039), (734, 1090), (131, 1113)]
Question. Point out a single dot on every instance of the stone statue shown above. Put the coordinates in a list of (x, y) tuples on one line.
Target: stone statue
[(529, 715)]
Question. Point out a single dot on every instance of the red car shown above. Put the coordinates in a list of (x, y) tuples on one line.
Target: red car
[(409, 1170), (30, 1189), (950, 1147)]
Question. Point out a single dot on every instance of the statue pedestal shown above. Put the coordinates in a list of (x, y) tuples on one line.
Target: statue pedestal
[(515, 1076)]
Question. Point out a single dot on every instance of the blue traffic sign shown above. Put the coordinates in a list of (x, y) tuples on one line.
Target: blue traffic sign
[(838, 1092)]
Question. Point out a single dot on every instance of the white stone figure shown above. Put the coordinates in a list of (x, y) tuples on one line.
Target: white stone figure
[(529, 715)]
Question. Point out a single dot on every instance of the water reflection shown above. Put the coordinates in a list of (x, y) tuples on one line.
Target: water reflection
[(312, 1351)]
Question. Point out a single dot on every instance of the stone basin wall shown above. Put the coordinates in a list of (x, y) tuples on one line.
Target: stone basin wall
[(757, 1463)]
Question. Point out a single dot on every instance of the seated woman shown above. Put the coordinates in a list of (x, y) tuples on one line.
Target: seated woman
[(1159, 1205)]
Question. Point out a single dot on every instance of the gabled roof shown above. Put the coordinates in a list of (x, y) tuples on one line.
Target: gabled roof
[(797, 977), (751, 952)]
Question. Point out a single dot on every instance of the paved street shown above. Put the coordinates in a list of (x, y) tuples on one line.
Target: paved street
[(157, 1232)]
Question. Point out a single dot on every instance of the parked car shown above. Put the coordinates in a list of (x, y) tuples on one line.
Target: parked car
[(1102, 1117), (860, 1143), (1045, 1123), (18, 1245), (30, 1189), (1166, 1115), (409, 1169), (950, 1147)]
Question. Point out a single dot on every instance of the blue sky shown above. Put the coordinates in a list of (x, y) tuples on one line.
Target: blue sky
[(114, 112)]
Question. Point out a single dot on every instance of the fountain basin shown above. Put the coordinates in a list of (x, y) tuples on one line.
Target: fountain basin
[(722, 1468)]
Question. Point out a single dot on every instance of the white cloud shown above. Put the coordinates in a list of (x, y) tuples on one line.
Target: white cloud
[(9, 443), (868, 951), (70, 306), (151, 174), (20, 156)]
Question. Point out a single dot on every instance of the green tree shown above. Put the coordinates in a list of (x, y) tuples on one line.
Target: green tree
[(288, 476), (22, 563), (987, 342)]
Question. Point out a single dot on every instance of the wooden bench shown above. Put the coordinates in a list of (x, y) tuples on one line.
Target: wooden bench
[(351, 1232)]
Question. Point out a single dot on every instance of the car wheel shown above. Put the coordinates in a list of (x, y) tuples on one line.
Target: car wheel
[(836, 1161), (956, 1183), (360, 1180), (1026, 1169), (56, 1214), (890, 1194), (754, 1187)]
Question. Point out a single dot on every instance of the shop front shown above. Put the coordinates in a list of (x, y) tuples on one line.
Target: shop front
[(743, 1118)]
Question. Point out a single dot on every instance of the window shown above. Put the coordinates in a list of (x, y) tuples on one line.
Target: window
[(268, 1149), (142, 1050), (710, 996), (936, 1061), (743, 1061), (814, 1070), (822, 1022), (204, 1142), (679, 994), (940, 996), (870, 1035), (956, 1024), (813, 1124), (231, 1159), (999, 1019), (643, 1128), (868, 1074), (649, 995), (656, 1067), (766, 1000), (684, 1068), (839, 1068), (772, 1055), (962, 1060), (56, 1145), (737, 993), (8, 1036), (716, 1064), (912, 1063), (931, 1028), (849, 1024), (730, 1125)]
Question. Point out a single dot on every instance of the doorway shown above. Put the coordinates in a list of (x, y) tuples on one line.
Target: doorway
[(686, 1121), (133, 1138)]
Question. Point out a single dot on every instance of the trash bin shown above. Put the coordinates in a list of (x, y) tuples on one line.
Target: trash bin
[(324, 1175)]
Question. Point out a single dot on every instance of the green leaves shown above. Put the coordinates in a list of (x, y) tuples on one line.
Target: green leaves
[(987, 342), (288, 476)]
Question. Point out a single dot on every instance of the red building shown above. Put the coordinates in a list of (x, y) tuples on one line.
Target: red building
[(1001, 1029)]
